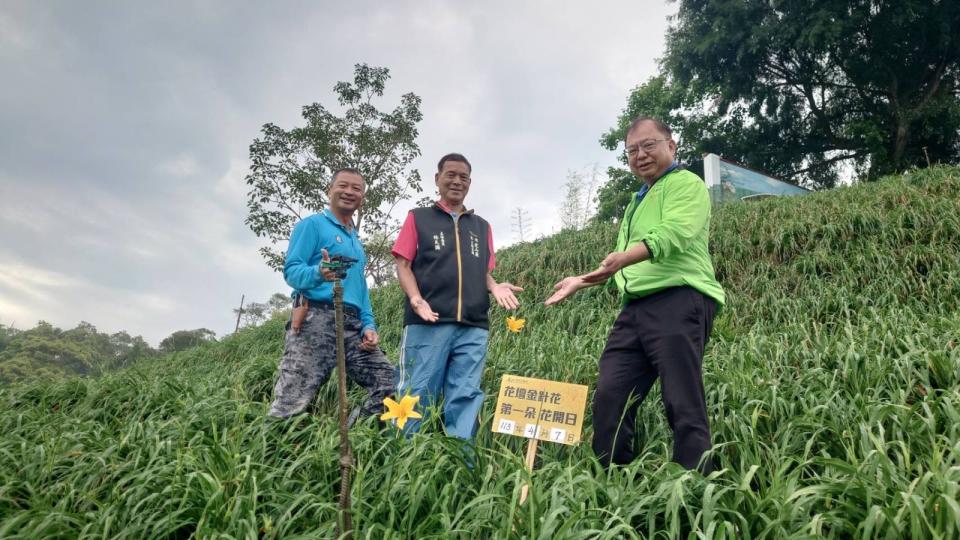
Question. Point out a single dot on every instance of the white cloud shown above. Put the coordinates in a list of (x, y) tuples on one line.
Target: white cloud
[(232, 184), (44, 294), (13, 38), (182, 165)]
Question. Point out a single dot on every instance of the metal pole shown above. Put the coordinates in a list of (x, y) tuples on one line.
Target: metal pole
[(345, 526)]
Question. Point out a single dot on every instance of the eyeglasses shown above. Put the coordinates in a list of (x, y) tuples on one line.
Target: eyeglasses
[(648, 146)]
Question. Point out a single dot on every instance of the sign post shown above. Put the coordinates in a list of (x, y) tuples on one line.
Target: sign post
[(539, 410), (531, 457)]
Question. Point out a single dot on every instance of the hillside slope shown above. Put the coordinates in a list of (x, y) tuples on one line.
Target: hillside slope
[(832, 380)]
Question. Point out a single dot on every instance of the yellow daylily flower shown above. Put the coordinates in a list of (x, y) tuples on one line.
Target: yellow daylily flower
[(514, 324), (401, 411)]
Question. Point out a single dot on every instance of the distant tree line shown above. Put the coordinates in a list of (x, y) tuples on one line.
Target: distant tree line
[(48, 352)]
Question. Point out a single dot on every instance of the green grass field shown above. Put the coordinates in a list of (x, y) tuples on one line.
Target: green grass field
[(832, 380)]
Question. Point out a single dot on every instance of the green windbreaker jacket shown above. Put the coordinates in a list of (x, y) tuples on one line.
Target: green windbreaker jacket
[(673, 219)]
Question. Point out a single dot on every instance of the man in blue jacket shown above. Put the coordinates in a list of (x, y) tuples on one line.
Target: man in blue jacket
[(310, 351)]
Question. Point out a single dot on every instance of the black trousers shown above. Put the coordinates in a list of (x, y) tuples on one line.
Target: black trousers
[(662, 335)]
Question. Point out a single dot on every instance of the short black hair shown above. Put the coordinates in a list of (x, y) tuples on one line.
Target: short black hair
[(661, 127), (350, 170), (453, 157)]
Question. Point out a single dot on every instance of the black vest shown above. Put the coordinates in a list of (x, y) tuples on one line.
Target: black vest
[(451, 266)]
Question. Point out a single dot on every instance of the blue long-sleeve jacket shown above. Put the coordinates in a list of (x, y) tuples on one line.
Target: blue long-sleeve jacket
[(302, 267)]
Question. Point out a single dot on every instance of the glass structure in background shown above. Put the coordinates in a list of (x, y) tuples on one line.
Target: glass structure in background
[(729, 181)]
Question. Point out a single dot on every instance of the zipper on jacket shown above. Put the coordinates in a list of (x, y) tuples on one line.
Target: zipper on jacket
[(456, 235)]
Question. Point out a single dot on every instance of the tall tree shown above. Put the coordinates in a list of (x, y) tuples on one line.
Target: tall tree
[(578, 199), (255, 313), (127, 349), (278, 302), (291, 169), (811, 90)]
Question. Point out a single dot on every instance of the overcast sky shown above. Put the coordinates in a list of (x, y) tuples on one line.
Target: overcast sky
[(126, 128)]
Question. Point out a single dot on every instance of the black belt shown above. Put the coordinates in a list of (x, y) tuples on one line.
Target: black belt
[(328, 306)]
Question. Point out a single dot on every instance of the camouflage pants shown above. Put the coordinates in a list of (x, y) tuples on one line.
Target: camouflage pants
[(310, 356)]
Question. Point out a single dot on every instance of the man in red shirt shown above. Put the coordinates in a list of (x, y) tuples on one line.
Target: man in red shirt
[(444, 257)]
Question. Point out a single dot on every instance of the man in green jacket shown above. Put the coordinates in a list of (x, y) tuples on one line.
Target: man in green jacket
[(670, 295)]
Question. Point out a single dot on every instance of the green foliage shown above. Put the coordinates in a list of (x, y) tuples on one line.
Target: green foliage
[(46, 352), (182, 340), (833, 381), (807, 90), (291, 169), (614, 196), (6, 336), (127, 349)]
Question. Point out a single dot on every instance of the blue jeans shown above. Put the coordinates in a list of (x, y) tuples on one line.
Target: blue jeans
[(444, 361)]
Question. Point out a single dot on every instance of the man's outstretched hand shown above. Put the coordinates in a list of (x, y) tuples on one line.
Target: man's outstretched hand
[(503, 293), (564, 288), (610, 265), (423, 310)]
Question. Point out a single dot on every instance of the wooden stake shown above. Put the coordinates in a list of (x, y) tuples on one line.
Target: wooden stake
[(531, 456), (239, 313)]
